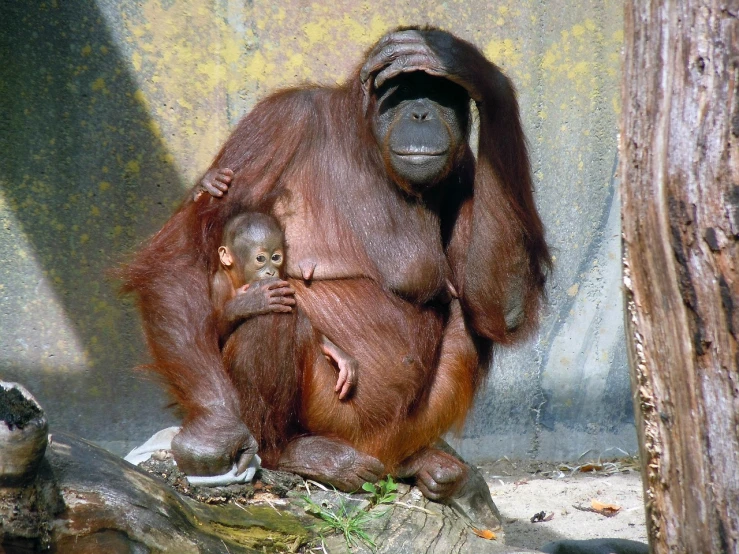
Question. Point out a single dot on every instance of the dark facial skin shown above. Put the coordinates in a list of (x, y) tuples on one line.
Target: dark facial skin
[(420, 124)]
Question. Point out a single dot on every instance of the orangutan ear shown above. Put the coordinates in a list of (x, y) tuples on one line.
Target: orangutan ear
[(225, 254)]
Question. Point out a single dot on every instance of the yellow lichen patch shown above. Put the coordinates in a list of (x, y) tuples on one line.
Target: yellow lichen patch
[(98, 85), (184, 103), (315, 31), (377, 28), (504, 53), (295, 60), (230, 51), (186, 59), (616, 104), (256, 67), (154, 128), (212, 74), (133, 166), (321, 34), (578, 57), (140, 97)]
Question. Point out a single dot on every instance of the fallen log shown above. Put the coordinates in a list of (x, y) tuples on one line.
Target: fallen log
[(83, 499)]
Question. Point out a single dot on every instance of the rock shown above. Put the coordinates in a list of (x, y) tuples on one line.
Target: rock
[(23, 434)]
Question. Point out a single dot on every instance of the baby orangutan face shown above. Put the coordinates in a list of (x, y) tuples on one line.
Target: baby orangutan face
[(256, 254)]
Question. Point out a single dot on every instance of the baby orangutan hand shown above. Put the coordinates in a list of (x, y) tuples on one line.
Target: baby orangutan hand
[(261, 297)]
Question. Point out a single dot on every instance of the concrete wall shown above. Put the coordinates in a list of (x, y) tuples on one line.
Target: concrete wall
[(111, 109)]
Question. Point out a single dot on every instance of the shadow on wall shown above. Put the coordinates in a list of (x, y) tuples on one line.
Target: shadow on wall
[(84, 178)]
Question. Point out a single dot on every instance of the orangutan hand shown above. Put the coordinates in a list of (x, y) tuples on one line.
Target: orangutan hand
[(212, 445), (215, 182)]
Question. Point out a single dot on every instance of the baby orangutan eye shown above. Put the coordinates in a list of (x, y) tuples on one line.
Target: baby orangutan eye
[(261, 258), (276, 258)]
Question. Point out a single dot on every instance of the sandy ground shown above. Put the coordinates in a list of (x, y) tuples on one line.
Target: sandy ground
[(523, 489)]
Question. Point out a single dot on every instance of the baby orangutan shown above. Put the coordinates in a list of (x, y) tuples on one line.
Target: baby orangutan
[(267, 342)]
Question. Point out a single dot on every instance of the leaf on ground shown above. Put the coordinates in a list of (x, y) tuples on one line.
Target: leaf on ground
[(608, 510), (484, 533), (369, 487)]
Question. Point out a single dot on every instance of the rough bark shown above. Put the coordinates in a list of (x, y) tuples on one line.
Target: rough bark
[(86, 500), (415, 524), (680, 191)]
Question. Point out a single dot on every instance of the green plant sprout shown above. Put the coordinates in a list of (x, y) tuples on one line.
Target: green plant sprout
[(383, 492), (349, 522)]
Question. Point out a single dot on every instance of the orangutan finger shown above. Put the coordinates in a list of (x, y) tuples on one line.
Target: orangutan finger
[(284, 300)]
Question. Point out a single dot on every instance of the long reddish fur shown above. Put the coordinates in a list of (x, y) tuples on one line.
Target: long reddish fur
[(265, 356), (420, 363)]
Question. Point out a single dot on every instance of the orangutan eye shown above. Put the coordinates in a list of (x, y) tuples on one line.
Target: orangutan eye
[(261, 258), (276, 258)]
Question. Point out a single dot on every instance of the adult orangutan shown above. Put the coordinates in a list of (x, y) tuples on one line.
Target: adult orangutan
[(403, 249)]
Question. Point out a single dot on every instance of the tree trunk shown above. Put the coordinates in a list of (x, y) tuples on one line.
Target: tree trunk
[(680, 189)]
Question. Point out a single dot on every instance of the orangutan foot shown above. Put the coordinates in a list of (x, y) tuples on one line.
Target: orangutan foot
[(474, 503), (444, 477), (330, 461), (438, 475)]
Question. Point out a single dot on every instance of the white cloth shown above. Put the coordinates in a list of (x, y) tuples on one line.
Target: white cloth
[(162, 440)]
